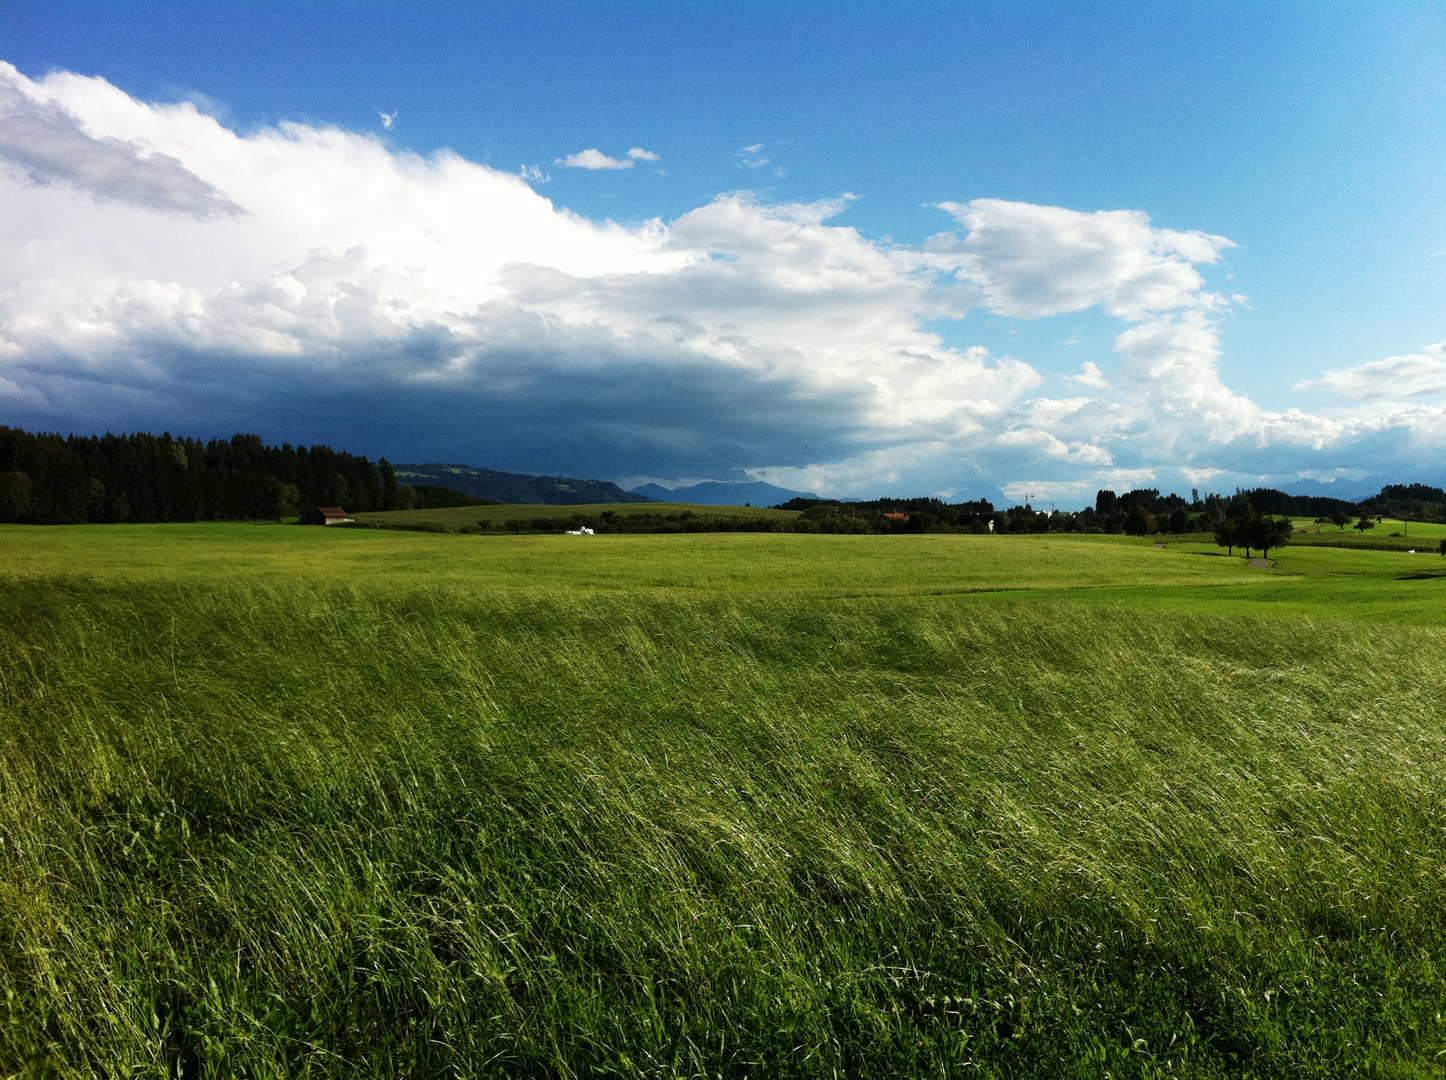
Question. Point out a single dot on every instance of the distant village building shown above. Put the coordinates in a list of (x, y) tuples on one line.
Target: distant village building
[(897, 517), (326, 515)]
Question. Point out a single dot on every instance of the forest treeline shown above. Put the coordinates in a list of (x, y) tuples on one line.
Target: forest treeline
[(1411, 502), (1141, 512), (54, 480), (1233, 518)]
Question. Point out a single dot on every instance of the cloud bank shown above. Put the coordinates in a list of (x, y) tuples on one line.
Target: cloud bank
[(308, 283)]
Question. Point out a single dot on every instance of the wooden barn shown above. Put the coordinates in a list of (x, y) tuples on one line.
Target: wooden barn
[(326, 515)]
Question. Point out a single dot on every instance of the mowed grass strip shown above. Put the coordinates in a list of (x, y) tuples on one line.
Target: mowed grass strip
[(254, 828)]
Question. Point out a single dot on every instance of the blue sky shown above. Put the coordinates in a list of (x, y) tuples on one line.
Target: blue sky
[(1311, 138)]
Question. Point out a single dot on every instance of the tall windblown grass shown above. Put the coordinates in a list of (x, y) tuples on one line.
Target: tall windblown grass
[(267, 830)]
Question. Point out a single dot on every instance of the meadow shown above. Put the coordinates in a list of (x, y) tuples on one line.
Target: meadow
[(278, 801), (457, 518)]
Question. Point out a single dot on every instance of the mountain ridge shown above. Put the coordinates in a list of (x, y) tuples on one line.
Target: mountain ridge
[(509, 487), (722, 493)]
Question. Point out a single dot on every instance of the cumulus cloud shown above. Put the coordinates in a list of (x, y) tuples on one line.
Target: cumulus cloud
[(1090, 375), (1395, 377), (596, 159), (1043, 260), (309, 283), (43, 143)]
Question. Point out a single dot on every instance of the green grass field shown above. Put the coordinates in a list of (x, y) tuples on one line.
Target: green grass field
[(462, 517), (1389, 534), (1411, 530), (278, 801)]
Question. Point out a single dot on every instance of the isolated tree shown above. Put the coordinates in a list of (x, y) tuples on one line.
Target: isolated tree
[(1341, 518), (1322, 521), (1364, 524), (1284, 528), (1141, 522), (1227, 534), (1266, 533), (285, 500)]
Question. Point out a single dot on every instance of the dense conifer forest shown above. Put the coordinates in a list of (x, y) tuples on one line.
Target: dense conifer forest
[(48, 479), (54, 480)]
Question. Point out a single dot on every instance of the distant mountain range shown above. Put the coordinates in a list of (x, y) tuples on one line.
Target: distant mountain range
[(1339, 489), (509, 487), (723, 493)]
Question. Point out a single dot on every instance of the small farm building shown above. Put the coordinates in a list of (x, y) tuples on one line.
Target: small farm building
[(326, 515)]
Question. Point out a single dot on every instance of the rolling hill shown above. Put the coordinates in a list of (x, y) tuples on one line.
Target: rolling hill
[(509, 487), (723, 493)]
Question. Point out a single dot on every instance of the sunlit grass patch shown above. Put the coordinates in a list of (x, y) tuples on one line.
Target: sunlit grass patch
[(395, 804)]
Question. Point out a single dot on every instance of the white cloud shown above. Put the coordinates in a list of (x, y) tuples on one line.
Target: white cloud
[(1201, 476), (596, 159), (1395, 377), (387, 118), (45, 143), (164, 270), (751, 157), (1044, 260), (1090, 375)]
